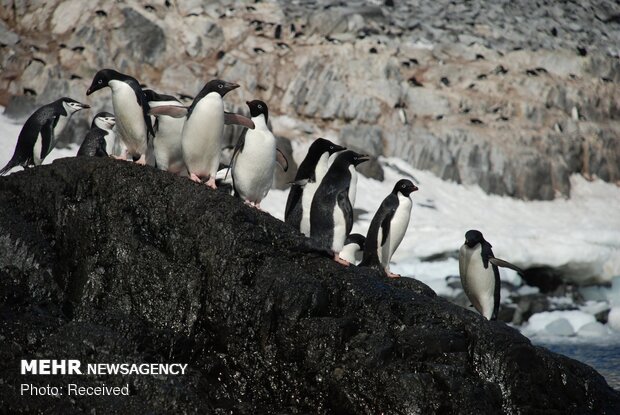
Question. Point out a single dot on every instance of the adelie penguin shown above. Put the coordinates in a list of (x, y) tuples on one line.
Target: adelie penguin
[(388, 227), (479, 272), (131, 110), (353, 248), (96, 142), (201, 139), (254, 159), (167, 142), (331, 213), (307, 180), (38, 135)]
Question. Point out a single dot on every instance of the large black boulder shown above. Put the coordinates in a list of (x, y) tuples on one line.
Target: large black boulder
[(107, 261)]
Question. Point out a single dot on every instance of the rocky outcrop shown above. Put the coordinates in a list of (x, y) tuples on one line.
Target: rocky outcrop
[(107, 261), (504, 95)]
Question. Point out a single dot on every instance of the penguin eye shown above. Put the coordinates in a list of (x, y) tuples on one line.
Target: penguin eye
[(260, 107), (100, 81), (403, 185), (331, 147), (220, 86)]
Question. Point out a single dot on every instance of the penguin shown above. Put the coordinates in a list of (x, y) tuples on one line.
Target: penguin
[(201, 139), (167, 142), (38, 135), (96, 142), (331, 213), (131, 110), (353, 248), (254, 159), (479, 272), (388, 227), (308, 177)]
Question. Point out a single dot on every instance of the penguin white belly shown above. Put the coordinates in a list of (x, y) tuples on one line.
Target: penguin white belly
[(399, 224), (340, 229), (167, 143), (353, 185), (255, 165), (306, 202), (110, 140), (478, 282), (202, 136), (348, 252), (36, 150), (129, 118)]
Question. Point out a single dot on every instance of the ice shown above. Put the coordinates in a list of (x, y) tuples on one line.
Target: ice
[(593, 329), (613, 319), (540, 322), (559, 327), (613, 294)]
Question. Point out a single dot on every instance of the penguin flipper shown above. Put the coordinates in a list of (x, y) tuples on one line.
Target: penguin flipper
[(47, 138), (238, 149), (174, 111), (281, 159), (231, 118), (504, 264), (347, 210)]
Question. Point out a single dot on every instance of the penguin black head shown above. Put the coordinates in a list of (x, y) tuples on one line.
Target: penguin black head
[(104, 120), (102, 78), (219, 86), (258, 107), (473, 237), (71, 106), (405, 187), (322, 145)]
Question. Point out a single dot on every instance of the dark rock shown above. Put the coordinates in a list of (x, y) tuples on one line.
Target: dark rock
[(20, 107), (107, 261), (145, 41)]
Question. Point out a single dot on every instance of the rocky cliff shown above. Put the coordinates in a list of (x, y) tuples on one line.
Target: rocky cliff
[(508, 95), (107, 261)]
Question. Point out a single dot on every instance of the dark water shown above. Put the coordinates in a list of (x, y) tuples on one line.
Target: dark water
[(604, 358)]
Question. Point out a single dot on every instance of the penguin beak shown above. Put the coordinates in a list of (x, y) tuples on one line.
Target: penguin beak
[(414, 188), (362, 158), (229, 86), (85, 106)]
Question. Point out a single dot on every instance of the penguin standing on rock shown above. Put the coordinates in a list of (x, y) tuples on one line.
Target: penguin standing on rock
[(201, 139), (38, 135), (331, 213), (308, 177), (131, 109), (96, 143), (353, 248), (167, 142), (479, 272), (254, 159), (388, 227)]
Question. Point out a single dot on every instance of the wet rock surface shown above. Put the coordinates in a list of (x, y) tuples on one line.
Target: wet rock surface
[(106, 261)]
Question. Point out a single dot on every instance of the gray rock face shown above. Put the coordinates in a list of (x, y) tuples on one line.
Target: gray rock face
[(500, 94), (107, 261)]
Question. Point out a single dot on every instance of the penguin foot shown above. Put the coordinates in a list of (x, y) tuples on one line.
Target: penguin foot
[(392, 275), (341, 261), (211, 182), (195, 178), (142, 160)]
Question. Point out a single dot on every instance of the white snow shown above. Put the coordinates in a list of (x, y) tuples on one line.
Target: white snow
[(552, 322), (580, 235)]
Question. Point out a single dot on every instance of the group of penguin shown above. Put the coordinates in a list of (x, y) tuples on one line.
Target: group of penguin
[(187, 140)]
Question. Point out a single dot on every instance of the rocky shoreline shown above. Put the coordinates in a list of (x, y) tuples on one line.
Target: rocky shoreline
[(106, 261)]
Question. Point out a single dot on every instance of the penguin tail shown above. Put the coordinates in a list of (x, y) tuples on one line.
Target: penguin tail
[(12, 163)]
